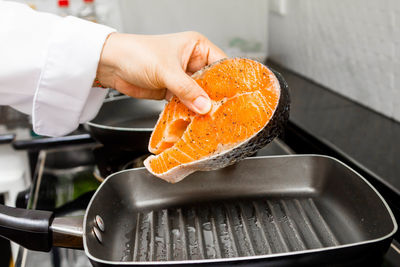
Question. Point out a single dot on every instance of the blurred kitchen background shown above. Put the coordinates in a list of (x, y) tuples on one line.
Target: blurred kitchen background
[(351, 47), (340, 58)]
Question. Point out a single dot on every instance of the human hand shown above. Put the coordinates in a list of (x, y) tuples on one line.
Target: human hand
[(157, 66)]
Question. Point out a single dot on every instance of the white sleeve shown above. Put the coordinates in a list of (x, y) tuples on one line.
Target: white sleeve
[(47, 67)]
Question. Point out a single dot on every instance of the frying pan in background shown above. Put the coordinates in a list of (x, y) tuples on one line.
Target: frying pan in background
[(126, 123), (303, 210), (121, 123)]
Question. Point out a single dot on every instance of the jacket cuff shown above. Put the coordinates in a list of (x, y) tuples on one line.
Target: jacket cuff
[(64, 96)]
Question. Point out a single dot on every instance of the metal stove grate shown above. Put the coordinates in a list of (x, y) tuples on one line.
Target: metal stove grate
[(226, 230)]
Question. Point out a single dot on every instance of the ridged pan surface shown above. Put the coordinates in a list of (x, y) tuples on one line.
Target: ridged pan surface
[(258, 209), (230, 229)]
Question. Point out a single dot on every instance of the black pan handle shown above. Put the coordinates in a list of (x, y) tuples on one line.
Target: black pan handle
[(39, 230), (29, 228), (6, 138), (52, 142)]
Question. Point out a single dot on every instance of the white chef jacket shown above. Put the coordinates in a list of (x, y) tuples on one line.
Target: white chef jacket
[(47, 67)]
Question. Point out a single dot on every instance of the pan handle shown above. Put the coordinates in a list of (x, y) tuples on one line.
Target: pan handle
[(68, 232), (52, 142), (7, 138), (29, 228), (39, 230)]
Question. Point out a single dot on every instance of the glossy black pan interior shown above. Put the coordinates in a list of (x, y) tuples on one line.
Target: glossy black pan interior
[(267, 211), (121, 123), (126, 123)]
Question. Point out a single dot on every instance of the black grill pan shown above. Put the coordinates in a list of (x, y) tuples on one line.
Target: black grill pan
[(298, 210)]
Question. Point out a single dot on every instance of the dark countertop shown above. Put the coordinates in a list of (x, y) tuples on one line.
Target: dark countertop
[(360, 133)]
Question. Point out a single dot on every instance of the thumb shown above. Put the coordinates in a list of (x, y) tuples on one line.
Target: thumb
[(188, 91)]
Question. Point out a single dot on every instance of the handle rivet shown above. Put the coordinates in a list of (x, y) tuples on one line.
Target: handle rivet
[(100, 223), (97, 234)]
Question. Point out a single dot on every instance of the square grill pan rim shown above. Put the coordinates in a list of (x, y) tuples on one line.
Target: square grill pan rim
[(245, 258)]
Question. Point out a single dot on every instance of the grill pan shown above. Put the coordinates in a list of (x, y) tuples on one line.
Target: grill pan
[(302, 210)]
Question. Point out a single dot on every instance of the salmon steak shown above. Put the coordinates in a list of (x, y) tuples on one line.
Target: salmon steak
[(250, 106)]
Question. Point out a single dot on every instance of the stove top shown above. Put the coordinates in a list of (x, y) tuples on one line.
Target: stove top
[(363, 136)]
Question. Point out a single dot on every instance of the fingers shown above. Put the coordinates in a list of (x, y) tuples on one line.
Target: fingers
[(188, 91), (203, 53), (184, 87), (138, 92), (162, 66)]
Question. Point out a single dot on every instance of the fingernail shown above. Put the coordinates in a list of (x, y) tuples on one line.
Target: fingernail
[(202, 104)]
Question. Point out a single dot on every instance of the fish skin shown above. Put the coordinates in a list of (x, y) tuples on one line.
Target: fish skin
[(272, 129)]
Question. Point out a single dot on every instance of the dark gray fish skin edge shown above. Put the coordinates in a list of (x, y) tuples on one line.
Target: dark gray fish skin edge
[(273, 129)]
